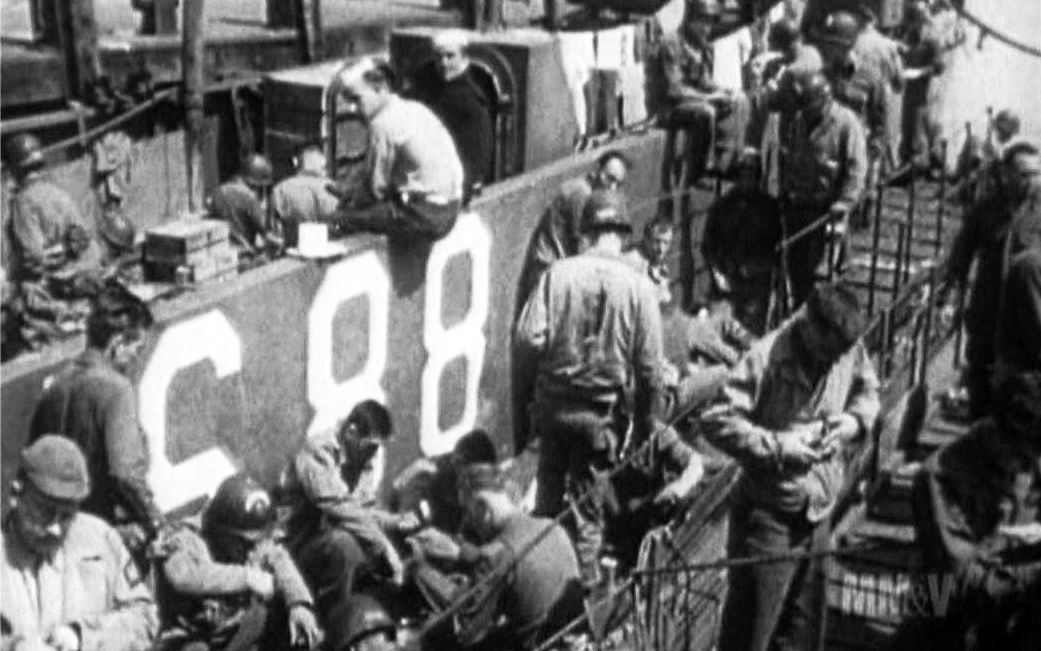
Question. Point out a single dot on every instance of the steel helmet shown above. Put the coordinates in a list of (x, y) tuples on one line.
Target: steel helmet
[(813, 89), (356, 618), (705, 9), (257, 171), (241, 507), (840, 28), (605, 210), (24, 152)]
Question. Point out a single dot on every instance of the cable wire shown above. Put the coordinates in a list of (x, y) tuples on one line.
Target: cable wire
[(990, 31)]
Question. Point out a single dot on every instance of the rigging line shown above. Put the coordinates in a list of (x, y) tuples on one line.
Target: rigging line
[(990, 31)]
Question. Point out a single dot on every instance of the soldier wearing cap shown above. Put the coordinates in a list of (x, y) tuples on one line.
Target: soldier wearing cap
[(794, 402), (242, 203), (92, 402), (414, 185), (977, 520), (824, 166), (229, 584), (742, 231), (587, 357), (1001, 226), (67, 581), (48, 231), (650, 256)]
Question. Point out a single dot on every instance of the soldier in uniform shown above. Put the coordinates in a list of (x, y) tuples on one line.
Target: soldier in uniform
[(335, 532), (520, 609), (742, 231), (414, 184), (462, 105), (48, 231), (693, 102), (304, 196), (824, 168), (797, 398), (977, 521), (92, 402), (55, 257), (998, 227), (67, 581), (229, 584), (557, 235), (241, 203), (588, 349), (650, 256), (859, 87)]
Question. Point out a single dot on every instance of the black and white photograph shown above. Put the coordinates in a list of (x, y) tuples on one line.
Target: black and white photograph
[(520, 325)]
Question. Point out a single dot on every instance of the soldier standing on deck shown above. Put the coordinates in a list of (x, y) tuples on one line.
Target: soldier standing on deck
[(999, 227), (789, 408), (860, 87), (557, 235), (588, 349), (92, 402), (742, 232), (824, 165)]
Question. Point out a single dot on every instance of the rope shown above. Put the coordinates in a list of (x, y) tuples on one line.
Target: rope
[(789, 557), (103, 128), (990, 31), (505, 567)]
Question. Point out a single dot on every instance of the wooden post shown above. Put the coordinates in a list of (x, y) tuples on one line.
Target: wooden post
[(77, 33), (310, 29), (193, 55)]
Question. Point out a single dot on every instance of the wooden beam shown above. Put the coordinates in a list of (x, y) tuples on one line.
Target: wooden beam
[(193, 61)]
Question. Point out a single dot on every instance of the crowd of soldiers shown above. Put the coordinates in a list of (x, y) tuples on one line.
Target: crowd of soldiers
[(318, 560)]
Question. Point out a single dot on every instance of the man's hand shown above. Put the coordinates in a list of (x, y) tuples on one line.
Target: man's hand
[(260, 582), (436, 544), (64, 638), (408, 523), (1024, 534), (671, 494), (796, 454), (841, 428), (397, 567), (303, 627)]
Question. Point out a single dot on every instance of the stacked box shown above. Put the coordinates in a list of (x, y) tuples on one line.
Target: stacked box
[(193, 250)]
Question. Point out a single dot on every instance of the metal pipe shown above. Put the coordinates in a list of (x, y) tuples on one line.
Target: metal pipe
[(193, 56), (898, 267), (941, 209), (912, 198), (875, 242)]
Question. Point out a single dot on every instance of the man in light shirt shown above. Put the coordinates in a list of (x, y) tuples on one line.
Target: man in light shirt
[(414, 177)]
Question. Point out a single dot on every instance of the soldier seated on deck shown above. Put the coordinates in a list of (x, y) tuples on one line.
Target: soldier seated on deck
[(693, 102), (649, 490), (514, 610), (229, 584), (335, 531), (977, 520), (56, 261), (415, 178), (437, 481), (241, 203)]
